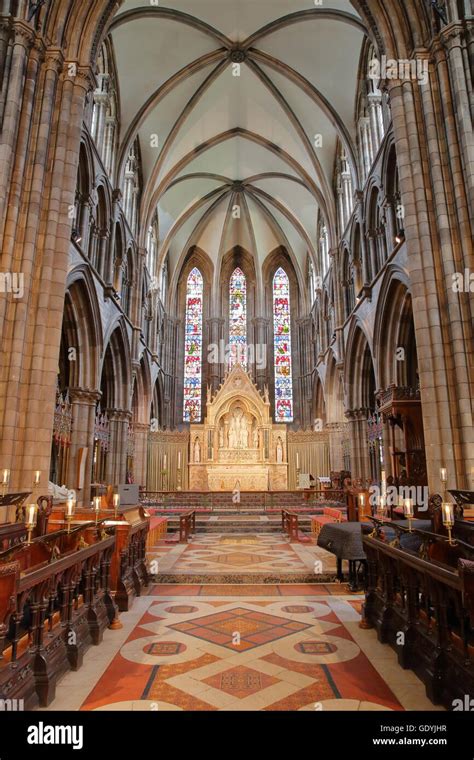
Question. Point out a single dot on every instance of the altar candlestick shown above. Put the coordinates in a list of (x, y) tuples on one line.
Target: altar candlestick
[(37, 478)]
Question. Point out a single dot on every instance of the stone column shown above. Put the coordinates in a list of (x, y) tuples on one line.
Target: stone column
[(360, 462), (118, 442), (434, 184), (37, 234), (84, 404), (140, 458), (261, 327), (215, 373)]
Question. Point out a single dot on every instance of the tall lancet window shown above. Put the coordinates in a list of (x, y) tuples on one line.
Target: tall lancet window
[(282, 343), (193, 348), (238, 319)]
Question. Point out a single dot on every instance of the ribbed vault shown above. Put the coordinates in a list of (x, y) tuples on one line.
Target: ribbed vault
[(238, 122)]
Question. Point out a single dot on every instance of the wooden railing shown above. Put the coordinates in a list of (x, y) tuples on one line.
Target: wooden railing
[(425, 610), (11, 534), (128, 573), (289, 524), (158, 531), (53, 606), (187, 526), (264, 500)]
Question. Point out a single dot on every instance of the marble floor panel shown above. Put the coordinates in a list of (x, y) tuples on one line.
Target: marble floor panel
[(257, 554), (193, 648)]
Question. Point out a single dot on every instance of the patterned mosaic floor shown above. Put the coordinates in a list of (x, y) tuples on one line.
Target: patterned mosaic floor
[(238, 648), (253, 554)]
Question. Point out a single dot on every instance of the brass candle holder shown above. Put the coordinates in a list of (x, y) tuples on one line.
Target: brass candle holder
[(448, 520), (31, 520), (70, 512)]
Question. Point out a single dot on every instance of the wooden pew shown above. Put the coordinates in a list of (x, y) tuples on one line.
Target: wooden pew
[(432, 605), (53, 606)]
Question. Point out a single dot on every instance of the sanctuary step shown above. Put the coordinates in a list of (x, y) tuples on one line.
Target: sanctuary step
[(240, 523)]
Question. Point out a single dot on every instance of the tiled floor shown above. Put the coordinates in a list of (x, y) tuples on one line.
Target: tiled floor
[(256, 554), (258, 647)]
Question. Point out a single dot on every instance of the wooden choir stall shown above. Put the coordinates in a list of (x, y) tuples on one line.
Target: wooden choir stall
[(61, 585)]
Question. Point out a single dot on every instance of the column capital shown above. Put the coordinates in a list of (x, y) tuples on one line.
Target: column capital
[(84, 396), (119, 415)]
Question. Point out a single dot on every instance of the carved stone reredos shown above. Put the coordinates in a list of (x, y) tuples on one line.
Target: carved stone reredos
[(238, 389)]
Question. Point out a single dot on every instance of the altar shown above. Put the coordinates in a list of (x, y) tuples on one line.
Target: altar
[(238, 447)]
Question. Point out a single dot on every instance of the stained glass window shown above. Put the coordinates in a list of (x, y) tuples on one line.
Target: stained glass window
[(282, 343), (193, 348), (238, 319)]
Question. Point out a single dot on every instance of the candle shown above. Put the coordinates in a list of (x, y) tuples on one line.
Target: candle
[(37, 478), (116, 500), (448, 514), (31, 515), (179, 460), (383, 476), (165, 461), (97, 503), (6, 477), (70, 507), (408, 508), (362, 500), (443, 475), (297, 461)]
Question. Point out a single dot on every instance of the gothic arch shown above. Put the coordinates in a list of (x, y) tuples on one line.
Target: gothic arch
[(82, 320), (334, 392), (393, 301), (319, 411), (116, 370), (240, 258), (359, 373), (195, 257), (142, 392)]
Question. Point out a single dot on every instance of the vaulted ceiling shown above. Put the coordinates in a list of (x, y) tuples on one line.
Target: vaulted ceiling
[(233, 160)]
